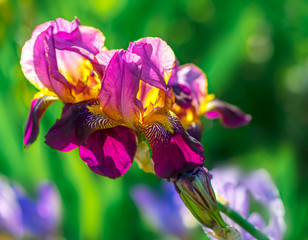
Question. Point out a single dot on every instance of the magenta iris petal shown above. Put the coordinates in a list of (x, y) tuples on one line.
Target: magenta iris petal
[(75, 125), (230, 115), (61, 135), (109, 152), (175, 152), (120, 86), (38, 108), (158, 60)]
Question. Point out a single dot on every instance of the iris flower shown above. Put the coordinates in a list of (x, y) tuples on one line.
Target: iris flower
[(164, 209), (110, 97), (192, 101), (240, 191), (59, 61), (22, 216)]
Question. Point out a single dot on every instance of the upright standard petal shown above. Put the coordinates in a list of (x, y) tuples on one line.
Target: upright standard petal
[(230, 115), (109, 152), (158, 60), (57, 81), (33, 59), (38, 108), (77, 123), (44, 66), (173, 150), (119, 88)]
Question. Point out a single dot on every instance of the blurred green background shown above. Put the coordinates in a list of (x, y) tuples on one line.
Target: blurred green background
[(255, 55)]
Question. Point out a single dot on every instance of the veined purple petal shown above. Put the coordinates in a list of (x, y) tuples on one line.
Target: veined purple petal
[(173, 150), (158, 60), (77, 123), (38, 108), (120, 86), (109, 152), (190, 80), (230, 115)]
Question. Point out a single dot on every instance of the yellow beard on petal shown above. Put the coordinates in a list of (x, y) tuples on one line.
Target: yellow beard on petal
[(159, 116)]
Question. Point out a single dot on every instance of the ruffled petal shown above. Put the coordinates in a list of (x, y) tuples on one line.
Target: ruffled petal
[(120, 87), (173, 150), (109, 152), (33, 59), (230, 115), (43, 67), (34, 56), (38, 108), (62, 25), (77, 123), (102, 60), (158, 60), (58, 82)]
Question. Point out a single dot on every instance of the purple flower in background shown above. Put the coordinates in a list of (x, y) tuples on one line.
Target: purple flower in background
[(192, 100), (164, 209), (22, 216), (238, 191)]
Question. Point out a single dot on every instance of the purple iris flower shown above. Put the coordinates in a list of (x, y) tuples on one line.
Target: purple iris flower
[(110, 97), (164, 209), (237, 190), (22, 216), (192, 100), (59, 61)]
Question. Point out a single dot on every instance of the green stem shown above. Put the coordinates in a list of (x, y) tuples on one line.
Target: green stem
[(242, 222)]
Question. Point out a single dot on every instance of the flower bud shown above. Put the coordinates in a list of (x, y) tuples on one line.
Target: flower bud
[(196, 191)]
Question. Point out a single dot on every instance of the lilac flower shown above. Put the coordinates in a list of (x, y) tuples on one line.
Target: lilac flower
[(192, 100), (22, 216), (236, 189), (164, 209), (122, 93)]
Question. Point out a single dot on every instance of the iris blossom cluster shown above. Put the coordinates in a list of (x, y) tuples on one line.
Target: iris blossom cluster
[(22, 216), (114, 98)]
